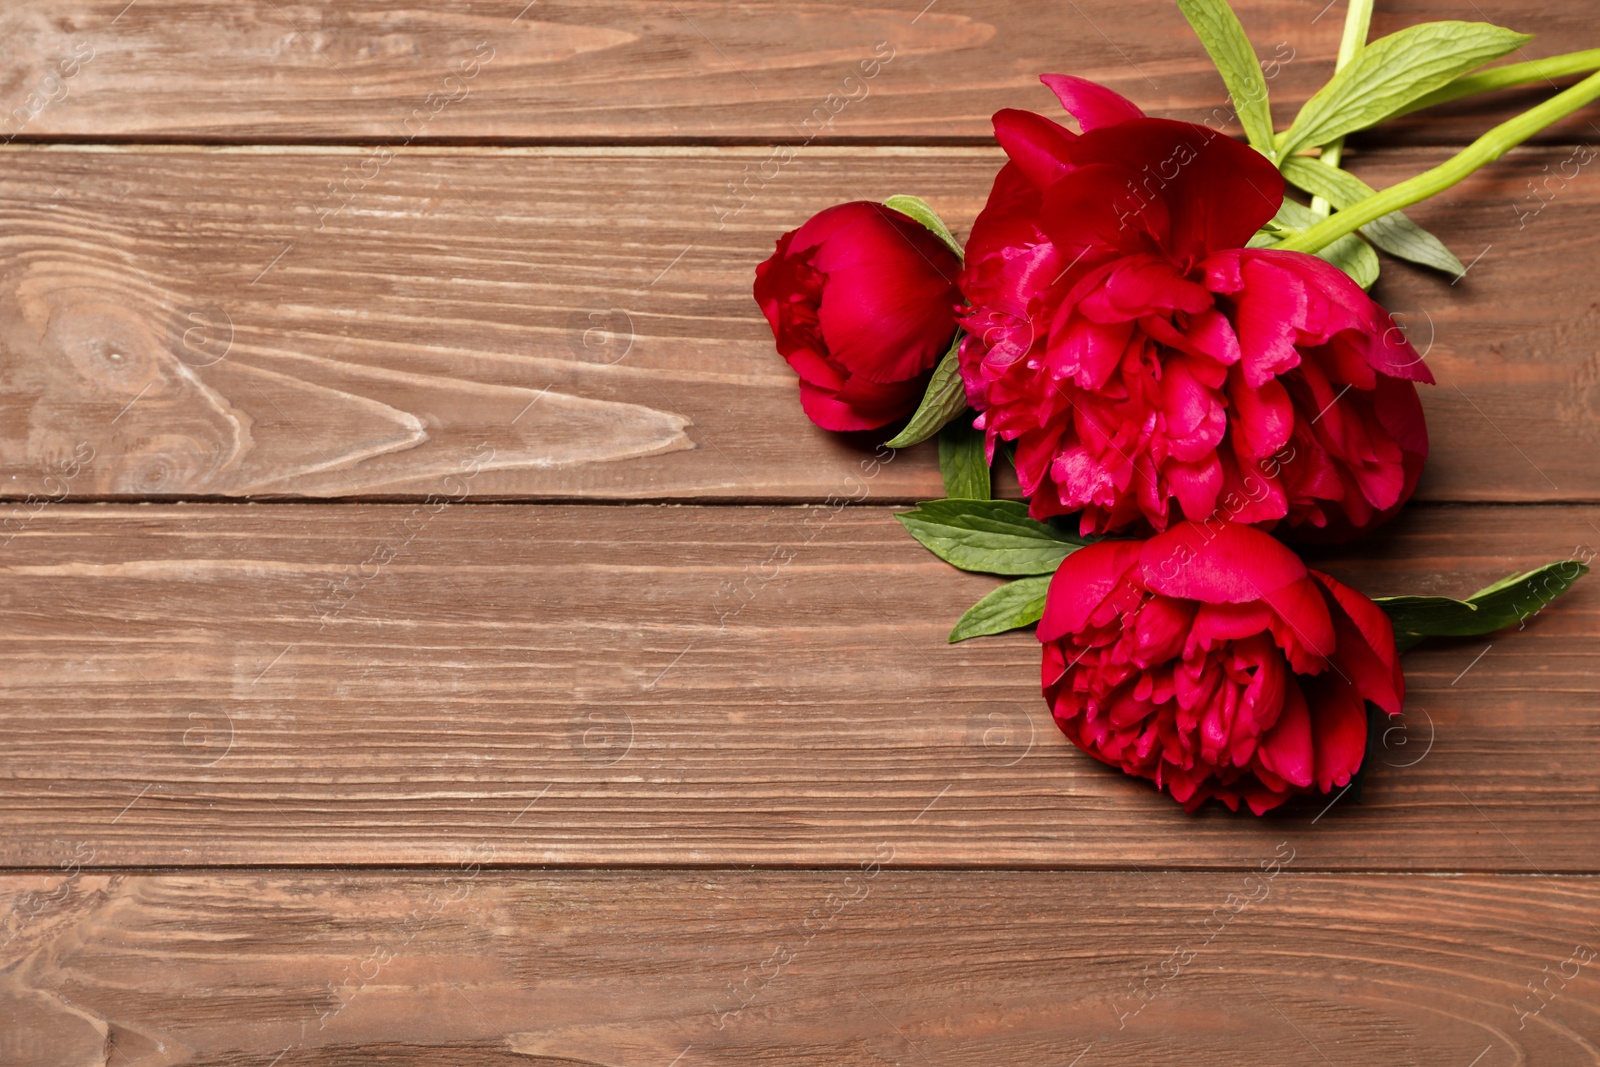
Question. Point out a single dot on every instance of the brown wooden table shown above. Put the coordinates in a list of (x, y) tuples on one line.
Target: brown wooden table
[(429, 636)]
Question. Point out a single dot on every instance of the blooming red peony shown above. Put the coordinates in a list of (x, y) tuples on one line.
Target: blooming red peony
[(1210, 660), (862, 301), (1150, 367)]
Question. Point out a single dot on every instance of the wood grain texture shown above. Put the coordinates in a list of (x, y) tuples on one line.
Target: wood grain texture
[(266, 70), (655, 695), (868, 967), (328, 685), (576, 323)]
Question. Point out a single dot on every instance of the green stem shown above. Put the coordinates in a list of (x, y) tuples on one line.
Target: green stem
[(1486, 149), (1357, 24), (1510, 76)]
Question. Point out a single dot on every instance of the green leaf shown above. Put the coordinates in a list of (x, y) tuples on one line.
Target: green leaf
[(1391, 73), (1011, 607), (942, 401), (1355, 257), (1394, 233), (1480, 153), (989, 536), (1225, 41), (1510, 600), (918, 209), (1511, 75), (1349, 253), (964, 462)]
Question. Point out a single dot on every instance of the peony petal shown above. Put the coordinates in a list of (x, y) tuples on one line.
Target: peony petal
[(1224, 271), (1367, 650), (1210, 332), (1334, 301), (1084, 350), (1159, 630), (1338, 304), (1096, 211), (1262, 700), (1262, 801), (1253, 494), (1270, 309), (1082, 583), (1288, 750), (1215, 624), (1194, 485), (1339, 730), (1399, 411), (829, 221), (1219, 191), (1343, 359), (1390, 351), (1082, 477), (1009, 260), (1141, 284), (771, 288), (1218, 563), (1035, 453), (1041, 149), (1091, 104), (1194, 420), (888, 305), (1263, 416), (861, 405), (814, 368), (1303, 627)]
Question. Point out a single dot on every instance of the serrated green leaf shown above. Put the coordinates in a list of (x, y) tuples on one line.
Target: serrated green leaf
[(964, 462), (1510, 600), (1392, 72), (989, 536), (1011, 607), (943, 400), (1396, 234), (1349, 253), (1229, 47), (918, 209)]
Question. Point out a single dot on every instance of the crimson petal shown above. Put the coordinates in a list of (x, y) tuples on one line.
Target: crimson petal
[(1222, 563), (1091, 104), (1082, 583), (1039, 147)]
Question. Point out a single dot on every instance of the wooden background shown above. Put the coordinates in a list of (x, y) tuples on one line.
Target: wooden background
[(400, 664)]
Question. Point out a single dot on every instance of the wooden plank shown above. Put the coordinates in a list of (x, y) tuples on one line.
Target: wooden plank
[(576, 323), (628, 69), (331, 685), (474, 968)]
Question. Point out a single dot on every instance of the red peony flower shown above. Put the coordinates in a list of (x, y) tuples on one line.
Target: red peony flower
[(1148, 366), (1211, 661), (862, 301)]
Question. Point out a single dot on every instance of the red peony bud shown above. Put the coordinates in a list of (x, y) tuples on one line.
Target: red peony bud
[(862, 301)]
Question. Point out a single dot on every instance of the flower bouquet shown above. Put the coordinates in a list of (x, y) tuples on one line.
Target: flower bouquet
[(1184, 367)]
